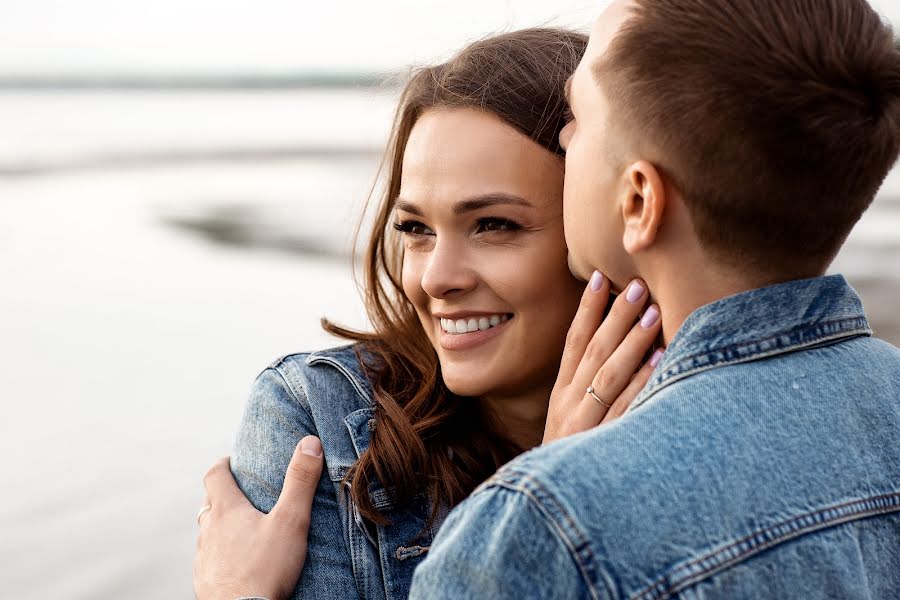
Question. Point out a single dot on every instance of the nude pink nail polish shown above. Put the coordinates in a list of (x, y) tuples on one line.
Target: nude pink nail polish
[(635, 291)]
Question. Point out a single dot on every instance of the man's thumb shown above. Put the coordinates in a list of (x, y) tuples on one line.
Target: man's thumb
[(300, 481)]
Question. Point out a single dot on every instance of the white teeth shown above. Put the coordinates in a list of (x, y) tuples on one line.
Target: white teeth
[(474, 324)]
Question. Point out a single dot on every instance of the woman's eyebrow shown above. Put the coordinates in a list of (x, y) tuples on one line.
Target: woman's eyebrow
[(409, 207), (470, 204), (487, 200)]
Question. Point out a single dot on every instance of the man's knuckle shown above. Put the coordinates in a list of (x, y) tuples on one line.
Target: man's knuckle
[(210, 474)]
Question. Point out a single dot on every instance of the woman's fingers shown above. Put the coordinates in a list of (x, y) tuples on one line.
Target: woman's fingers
[(294, 505), (584, 326), (610, 335), (606, 363), (634, 388), (616, 372)]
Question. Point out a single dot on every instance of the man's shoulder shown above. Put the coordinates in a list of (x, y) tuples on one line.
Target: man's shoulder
[(879, 347), (727, 462)]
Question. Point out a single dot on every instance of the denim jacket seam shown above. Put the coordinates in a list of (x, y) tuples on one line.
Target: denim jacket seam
[(531, 489), (706, 565), (683, 368), (297, 388), (294, 384), (314, 359)]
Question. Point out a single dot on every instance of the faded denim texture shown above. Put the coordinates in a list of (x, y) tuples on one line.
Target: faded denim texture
[(762, 460), (328, 395)]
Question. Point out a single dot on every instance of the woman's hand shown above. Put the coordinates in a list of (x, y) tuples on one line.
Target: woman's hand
[(605, 355), (242, 552)]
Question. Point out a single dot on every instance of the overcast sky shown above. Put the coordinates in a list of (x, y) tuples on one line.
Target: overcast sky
[(259, 36)]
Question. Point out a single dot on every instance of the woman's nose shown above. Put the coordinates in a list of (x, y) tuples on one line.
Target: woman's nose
[(447, 272)]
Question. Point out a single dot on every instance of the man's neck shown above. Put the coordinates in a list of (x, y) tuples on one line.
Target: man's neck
[(679, 296)]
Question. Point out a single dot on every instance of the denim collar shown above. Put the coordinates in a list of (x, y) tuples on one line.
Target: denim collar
[(759, 324)]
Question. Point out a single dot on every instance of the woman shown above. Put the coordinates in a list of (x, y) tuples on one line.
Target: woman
[(470, 299)]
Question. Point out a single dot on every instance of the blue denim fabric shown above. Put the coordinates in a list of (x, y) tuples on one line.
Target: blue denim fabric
[(327, 394), (762, 460)]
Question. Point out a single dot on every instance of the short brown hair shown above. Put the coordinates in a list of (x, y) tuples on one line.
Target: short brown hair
[(427, 441), (777, 120)]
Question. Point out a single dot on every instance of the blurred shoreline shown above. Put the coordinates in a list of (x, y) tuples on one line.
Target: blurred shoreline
[(156, 252), (224, 82)]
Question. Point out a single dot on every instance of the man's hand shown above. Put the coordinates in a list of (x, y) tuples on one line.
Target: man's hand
[(242, 552), (605, 355)]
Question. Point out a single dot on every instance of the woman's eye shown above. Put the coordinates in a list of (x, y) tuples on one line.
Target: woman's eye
[(413, 228), (497, 224)]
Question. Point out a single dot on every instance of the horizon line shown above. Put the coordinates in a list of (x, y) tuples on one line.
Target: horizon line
[(195, 82)]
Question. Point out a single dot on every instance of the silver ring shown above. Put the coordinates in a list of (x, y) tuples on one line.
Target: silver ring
[(590, 391), (202, 511)]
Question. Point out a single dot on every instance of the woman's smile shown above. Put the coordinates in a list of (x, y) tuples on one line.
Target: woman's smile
[(464, 331)]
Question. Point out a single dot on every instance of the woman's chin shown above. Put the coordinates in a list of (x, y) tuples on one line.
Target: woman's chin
[(468, 386)]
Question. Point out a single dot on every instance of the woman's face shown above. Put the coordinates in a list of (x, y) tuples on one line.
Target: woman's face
[(480, 211)]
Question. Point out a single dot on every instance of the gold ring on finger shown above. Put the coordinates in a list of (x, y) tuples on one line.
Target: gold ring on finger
[(590, 391), (203, 511)]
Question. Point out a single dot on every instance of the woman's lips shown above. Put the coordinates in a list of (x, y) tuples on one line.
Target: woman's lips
[(466, 341)]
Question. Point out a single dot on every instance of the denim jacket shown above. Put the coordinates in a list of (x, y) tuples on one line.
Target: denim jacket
[(328, 395), (762, 460)]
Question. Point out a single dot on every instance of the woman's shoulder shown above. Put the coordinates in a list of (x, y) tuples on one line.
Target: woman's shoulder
[(325, 376), (331, 391)]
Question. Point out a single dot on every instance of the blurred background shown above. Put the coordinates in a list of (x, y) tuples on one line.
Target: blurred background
[(179, 181)]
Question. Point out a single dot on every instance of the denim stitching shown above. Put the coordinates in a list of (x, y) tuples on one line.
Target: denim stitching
[(705, 566), (404, 552), (580, 548), (742, 353), (337, 365), (293, 383)]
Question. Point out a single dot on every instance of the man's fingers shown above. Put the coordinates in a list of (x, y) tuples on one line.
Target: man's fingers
[(300, 482), (221, 489), (610, 335), (634, 388), (584, 325)]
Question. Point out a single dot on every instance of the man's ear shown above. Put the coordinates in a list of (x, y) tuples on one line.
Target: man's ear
[(643, 206)]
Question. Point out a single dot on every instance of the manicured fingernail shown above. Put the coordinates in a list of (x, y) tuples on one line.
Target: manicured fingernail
[(650, 317), (311, 446), (657, 356), (635, 291), (596, 281)]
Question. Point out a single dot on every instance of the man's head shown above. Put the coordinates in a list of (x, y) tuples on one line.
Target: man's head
[(749, 135)]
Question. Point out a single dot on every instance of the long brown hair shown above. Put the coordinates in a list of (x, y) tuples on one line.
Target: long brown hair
[(426, 439)]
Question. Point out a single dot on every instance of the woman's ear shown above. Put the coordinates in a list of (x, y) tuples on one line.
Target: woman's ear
[(643, 206)]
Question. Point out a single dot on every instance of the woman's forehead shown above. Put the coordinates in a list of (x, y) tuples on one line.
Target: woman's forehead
[(466, 153)]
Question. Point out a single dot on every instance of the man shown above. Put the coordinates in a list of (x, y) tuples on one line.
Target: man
[(721, 150)]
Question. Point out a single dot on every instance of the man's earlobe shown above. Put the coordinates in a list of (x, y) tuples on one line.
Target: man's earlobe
[(643, 206)]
